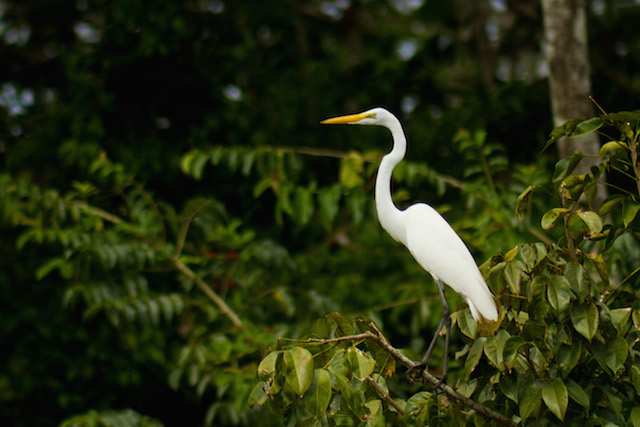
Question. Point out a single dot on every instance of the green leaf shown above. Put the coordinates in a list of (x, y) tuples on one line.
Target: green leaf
[(508, 387), (620, 319), (549, 218), (64, 267), (303, 205), (600, 265), (193, 163), (352, 170), (299, 369), (575, 275), (634, 417), (615, 403), (283, 204), (564, 129), (376, 415), (493, 348), (467, 324), (342, 325), (613, 149), (353, 396), (154, 311), (574, 184), (473, 358), (587, 126), (187, 160), (616, 353), (267, 366), (247, 162), (337, 366), (523, 200), (357, 204), (585, 319), (510, 352), (567, 357), (591, 219), (610, 204), (416, 410), (529, 398), (262, 185), (534, 330), (360, 364), (513, 275), (318, 396), (556, 397), (577, 394), (559, 293), (166, 305), (635, 378), (565, 166), (629, 211), (329, 204)]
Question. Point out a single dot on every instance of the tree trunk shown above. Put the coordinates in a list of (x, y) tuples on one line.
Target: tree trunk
[(565, 33)]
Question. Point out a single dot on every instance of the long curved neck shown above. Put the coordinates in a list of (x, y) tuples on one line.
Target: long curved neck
[(388, 213)]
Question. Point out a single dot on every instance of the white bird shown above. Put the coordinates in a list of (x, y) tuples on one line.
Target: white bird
[(427, 235)]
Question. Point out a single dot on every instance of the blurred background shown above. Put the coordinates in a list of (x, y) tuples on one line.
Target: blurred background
[(140, 137)]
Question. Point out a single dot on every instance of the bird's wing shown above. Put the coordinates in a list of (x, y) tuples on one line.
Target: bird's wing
[(440, 251)]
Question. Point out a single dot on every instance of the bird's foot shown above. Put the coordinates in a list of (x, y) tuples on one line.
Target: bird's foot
[(414, 374), (442, 380)]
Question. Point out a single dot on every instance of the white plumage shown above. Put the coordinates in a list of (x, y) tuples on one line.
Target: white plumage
[(427, 235)]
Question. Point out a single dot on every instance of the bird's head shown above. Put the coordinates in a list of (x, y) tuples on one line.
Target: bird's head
[(375, 116)]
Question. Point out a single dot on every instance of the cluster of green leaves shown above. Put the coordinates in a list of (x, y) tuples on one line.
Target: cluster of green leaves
[(126, 417), (341, 381), (491, 187), (123, 255), (94, 285), (300, 198), (564, 348)]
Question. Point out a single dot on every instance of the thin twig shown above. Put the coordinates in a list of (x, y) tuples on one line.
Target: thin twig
[(567, 231), (597, 105), (185, 229), (634, 161), (213, 296), (385, 395), (362, 336), (384, 343)]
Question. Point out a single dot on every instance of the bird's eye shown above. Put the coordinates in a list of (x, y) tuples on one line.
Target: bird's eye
[(371, 115)]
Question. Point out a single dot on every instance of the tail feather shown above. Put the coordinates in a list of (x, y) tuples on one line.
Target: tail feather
[(484, 307)]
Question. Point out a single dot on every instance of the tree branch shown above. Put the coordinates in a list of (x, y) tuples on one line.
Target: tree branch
[(213, 296), (384, 343), (179, 265), (385, 395), (185, 229)]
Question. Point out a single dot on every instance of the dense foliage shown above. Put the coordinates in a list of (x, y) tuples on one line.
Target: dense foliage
[(172, 214), (563, 350)]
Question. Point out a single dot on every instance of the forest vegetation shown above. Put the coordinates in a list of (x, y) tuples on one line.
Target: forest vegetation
[(184, 244)]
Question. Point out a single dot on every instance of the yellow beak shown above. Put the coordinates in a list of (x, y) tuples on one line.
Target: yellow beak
[(350, 119)]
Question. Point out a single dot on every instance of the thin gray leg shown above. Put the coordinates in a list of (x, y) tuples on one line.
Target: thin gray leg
[(415, 372)]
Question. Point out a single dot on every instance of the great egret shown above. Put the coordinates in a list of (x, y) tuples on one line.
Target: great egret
[(427, 235)]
